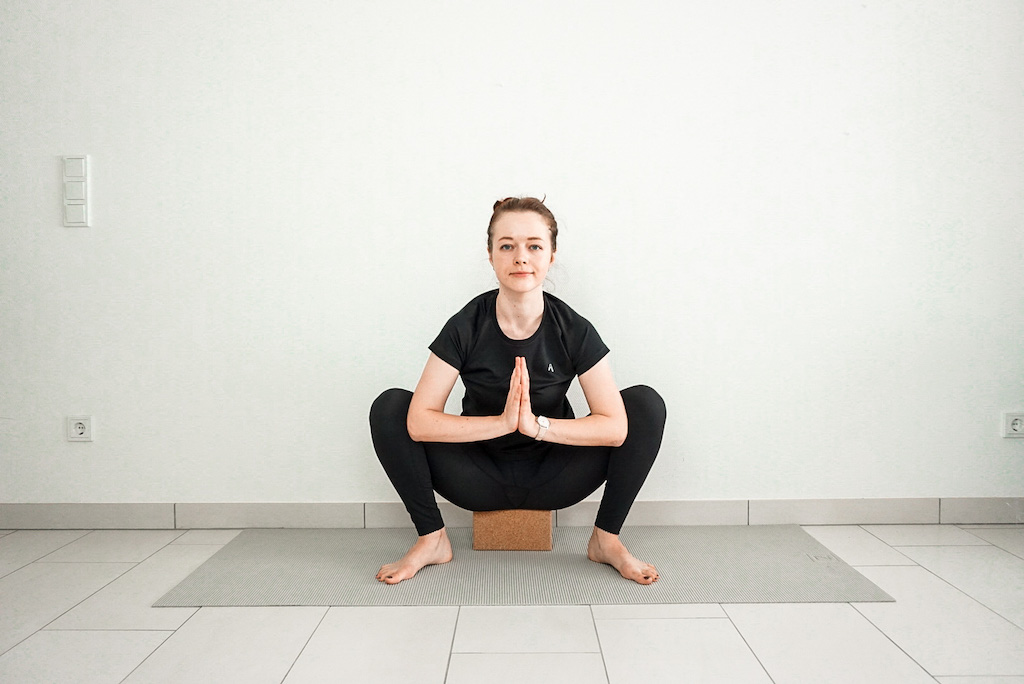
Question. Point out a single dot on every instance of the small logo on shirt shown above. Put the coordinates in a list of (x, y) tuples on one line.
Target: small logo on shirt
[(551, 369)]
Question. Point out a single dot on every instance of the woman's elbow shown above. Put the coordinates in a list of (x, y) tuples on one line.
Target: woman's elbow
[(620, 433), (413, 426)]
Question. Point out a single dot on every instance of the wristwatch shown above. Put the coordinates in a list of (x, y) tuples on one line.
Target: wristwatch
[(544, 424)]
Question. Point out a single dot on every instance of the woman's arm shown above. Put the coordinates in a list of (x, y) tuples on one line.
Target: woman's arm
[(427, 421), (605, 426)]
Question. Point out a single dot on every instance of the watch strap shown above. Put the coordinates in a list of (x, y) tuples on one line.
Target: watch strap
[(542, 427)]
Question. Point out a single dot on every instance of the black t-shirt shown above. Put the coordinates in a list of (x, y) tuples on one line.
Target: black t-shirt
[(564, 346)]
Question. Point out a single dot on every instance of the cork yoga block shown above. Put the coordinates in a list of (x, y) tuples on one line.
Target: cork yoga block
[(512, 530)]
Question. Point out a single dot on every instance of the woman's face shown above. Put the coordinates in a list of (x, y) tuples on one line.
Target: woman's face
[(521, 251)]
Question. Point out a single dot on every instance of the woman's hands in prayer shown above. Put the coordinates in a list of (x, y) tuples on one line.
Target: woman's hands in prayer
[(518, 414)]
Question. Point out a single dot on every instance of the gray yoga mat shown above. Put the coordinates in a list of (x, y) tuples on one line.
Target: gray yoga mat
[(337, 567)]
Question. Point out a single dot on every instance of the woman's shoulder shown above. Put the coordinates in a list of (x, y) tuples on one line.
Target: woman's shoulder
[(484, 299), (562, 311), (482, 302), (475, 310), (578, 334), (462, 330)]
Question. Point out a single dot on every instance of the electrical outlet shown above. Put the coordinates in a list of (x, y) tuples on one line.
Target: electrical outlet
[(79, 428), (1013, 425)]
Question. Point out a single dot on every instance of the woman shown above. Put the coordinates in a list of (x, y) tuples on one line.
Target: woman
[(517, 443)]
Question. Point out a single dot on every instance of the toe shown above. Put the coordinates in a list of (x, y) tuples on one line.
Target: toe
[(648, 574)]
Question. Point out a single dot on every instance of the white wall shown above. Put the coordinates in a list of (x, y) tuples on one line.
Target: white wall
[(803, 222)]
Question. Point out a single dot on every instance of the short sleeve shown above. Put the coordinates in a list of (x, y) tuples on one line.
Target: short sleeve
[(451, 344), (589, 347)]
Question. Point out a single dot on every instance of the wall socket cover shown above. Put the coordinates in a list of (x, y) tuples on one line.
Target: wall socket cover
[(1013, 424), (79, 428)]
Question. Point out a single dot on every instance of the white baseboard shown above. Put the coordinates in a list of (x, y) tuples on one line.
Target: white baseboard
[(982, 511), (662, 513), (845, 512), (86, 516), (196, 516), (918, 511)]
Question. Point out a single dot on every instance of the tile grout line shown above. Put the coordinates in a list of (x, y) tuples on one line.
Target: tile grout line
[(149, 655), (747, 643), (43, 628), (106, 629), (451, 647), (600, 646), (897, 547), (876, 627), (327, 609), (675, 617), (965, 594), (50, 553), (133, 564), (170, 543), (941, 579), (891, 640), (162, 644), (976, 536)]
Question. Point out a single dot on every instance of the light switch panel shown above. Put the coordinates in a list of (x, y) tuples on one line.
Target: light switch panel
[(76, 190), (74, 167), (74, 215)]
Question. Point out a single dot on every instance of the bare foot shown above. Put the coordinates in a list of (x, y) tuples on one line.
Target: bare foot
[(605, 547), (430, 549)]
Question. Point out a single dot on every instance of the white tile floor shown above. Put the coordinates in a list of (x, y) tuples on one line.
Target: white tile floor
[(75, 607)]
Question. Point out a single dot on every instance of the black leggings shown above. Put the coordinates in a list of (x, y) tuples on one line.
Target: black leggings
[(546, 477)]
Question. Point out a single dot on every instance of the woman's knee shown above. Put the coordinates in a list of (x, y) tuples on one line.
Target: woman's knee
[(389, 402), (391, 406), (644, 403)]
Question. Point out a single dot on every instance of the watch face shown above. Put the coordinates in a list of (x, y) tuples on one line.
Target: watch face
[(543, 421)]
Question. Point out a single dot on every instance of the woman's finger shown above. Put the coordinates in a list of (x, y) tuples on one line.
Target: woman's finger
[(526, 419), (512, 402)]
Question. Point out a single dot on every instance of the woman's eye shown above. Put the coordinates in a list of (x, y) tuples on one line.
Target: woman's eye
[(536, 247), (505, 247)]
